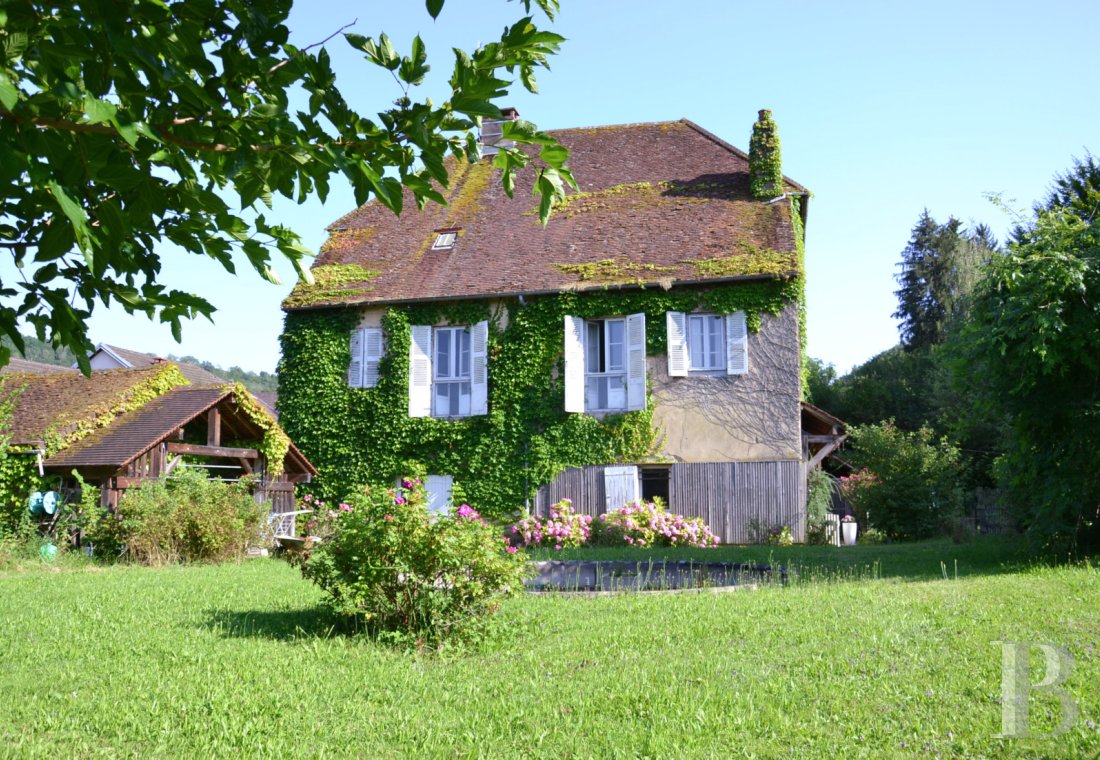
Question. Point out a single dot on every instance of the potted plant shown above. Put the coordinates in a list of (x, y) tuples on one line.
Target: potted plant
[(848, 529)]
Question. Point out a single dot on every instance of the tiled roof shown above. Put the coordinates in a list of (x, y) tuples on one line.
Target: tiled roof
[(196, 374), (15, 364), (655, 200), (136, 432), (62, 399), (139, 430), (270, 400)]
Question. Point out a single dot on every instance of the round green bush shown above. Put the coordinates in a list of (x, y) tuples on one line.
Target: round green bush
[(408, 573)]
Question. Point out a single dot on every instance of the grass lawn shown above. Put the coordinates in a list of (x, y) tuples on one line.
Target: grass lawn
[(242, 660)]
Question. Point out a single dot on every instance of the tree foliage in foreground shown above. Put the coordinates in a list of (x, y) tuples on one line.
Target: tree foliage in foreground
[(126, 125), (1031, 353)]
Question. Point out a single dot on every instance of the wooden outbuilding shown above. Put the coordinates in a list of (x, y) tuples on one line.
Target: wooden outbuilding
[(122, 427)]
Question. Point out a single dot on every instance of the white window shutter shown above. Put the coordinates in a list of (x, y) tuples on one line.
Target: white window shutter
[(373, 348), (737, 344), (620, 486), (438, 489), (635, 362), (479, 368), (574, 364), (420, 371), (355, 367), (676, 326)]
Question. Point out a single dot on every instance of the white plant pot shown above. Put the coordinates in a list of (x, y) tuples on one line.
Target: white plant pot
[(848, 531)]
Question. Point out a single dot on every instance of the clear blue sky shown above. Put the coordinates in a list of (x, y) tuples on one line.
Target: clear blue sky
[(883, 109)]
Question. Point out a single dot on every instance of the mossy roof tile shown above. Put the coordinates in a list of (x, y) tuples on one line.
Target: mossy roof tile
[(653, 198)]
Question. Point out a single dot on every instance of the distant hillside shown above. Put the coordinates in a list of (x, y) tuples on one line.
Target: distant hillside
[(40, 351), (257, 382)]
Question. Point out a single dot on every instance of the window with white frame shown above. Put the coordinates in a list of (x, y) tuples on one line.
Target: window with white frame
[(706, 339), (451, 366), (605, 364), (367, 346), (448, 370), (707, 344)]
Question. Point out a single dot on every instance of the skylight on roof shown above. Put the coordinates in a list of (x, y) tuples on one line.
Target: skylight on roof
[(444, 239)]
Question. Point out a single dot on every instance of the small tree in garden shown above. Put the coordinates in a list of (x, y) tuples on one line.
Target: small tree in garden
[(410, 574), (915, 486)]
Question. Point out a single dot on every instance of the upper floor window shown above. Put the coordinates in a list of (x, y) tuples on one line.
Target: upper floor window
[(706, 337), (451, 383), (707, 344), (448, 370), (605, 364)]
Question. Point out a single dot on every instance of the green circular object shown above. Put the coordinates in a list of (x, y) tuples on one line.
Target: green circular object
[(48, 552)]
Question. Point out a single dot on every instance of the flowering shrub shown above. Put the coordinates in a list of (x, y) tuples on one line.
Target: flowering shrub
[(564, 529), (851, 486), (409, 573), (780, 535), (647, 524)]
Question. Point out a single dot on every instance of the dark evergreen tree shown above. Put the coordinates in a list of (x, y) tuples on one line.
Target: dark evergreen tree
[(939, 268)]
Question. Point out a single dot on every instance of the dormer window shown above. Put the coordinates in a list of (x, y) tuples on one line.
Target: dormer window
[(444, 239)]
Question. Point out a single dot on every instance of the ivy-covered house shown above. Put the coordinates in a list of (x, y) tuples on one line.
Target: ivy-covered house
[(646, 342), (118, 428)]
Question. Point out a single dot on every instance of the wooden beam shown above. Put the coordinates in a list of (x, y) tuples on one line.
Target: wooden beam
[(827, 449), (246, 466), (820, 438), (212, 451), (214, 427)]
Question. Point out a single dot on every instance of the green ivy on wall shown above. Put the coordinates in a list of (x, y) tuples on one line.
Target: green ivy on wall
[(365, 435)]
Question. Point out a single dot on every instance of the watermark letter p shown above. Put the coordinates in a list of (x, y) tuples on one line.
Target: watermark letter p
[(1015, 687)]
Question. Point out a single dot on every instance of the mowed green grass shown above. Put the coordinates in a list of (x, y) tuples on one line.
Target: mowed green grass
[(242, 660)]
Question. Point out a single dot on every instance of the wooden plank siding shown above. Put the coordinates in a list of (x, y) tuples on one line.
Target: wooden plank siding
[(727, 495), (583, 485)]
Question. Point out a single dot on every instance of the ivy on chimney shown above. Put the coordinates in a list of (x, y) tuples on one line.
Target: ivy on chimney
[(765, 164)]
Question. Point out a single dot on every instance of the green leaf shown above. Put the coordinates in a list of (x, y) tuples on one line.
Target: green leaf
[(98, 111), (9, 93), (76, 216), (434, 7)]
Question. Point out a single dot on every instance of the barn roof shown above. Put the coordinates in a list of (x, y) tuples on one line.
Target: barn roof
[(139, 430), (16, 365), (60, 401), (666, 202)]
